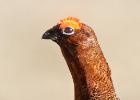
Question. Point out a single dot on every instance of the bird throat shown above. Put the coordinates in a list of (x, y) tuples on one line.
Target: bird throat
[(90, 71)]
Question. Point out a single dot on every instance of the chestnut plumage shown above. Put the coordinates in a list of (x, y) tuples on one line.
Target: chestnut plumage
[(87, 64)]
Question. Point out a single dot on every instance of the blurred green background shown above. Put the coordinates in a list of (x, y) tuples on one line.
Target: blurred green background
[(34, 69)]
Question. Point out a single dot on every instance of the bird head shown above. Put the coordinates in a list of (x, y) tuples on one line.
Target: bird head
[(68, 31)]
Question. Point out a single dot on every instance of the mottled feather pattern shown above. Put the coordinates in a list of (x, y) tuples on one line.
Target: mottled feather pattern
[(87, 64), (90, 59)]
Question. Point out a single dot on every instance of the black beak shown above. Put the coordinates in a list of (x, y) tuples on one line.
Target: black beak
[(52, 33), (46, 35)]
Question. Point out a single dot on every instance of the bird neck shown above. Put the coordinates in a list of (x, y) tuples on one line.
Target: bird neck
[(90, 71)]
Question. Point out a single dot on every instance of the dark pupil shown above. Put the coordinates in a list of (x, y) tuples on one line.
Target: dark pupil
[(68, 30)]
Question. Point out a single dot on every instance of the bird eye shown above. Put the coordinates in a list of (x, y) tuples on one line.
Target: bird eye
[(68, 31)]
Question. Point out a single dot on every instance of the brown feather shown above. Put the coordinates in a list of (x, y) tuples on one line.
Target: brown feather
[(90, 71), (87, 64)]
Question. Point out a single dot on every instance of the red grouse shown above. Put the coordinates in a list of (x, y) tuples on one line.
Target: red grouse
[(87, 64)]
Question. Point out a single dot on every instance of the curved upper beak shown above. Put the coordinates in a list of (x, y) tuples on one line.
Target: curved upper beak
[(51, 33), (46, 35)]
